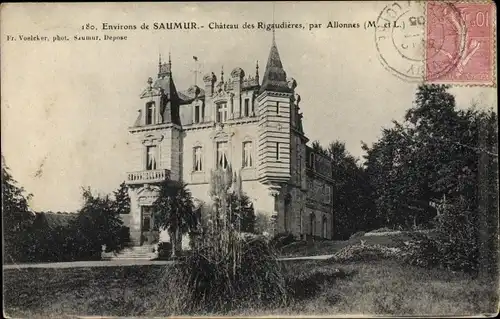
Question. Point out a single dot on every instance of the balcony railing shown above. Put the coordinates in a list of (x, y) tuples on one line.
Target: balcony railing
[(146, 177)]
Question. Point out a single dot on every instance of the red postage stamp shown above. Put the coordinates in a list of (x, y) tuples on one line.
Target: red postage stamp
[(460, 43)]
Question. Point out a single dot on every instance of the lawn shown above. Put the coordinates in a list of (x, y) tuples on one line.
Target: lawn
[(377, 287)]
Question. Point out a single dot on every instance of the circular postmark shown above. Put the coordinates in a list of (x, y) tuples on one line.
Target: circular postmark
[(420, 41)]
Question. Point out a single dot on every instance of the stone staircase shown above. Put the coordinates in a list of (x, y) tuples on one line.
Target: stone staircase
[(144, 252)]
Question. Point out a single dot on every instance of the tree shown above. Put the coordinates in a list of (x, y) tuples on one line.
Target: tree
[(17, 218), (408, 164), (317, 148), (98, 223), (243, 217), (121, 201), (440, 166), (174, 211)]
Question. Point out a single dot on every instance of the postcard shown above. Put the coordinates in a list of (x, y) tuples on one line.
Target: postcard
[(249, 159)]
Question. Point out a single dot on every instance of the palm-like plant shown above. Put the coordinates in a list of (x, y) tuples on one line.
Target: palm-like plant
[(174, 212)]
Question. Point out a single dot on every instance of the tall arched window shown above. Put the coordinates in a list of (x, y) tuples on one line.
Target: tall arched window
[(324, 227), (151, 157), (288, 201), (312, 224), (150, 113)]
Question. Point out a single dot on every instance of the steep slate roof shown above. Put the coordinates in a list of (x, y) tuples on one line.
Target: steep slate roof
[(170, 100), (274, 78)]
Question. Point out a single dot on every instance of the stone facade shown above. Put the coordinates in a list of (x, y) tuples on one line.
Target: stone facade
[(252, 125)]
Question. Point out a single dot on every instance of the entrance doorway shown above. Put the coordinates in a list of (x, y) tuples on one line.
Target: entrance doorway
[(147, 225)]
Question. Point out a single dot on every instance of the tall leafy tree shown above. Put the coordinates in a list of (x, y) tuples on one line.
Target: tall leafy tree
[(16, 217), (440, 166), (352, 201), (98, 223), (174, 211)]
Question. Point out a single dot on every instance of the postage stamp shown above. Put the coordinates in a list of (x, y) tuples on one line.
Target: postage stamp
[(460, 43), (438, 42)]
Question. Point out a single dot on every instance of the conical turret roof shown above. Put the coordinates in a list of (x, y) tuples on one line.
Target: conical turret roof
[(274, 78)]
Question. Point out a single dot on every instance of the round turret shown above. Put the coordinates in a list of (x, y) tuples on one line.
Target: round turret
[(237, 73), (194, 90)]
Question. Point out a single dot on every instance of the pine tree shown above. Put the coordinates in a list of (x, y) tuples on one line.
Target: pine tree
[(121, 199)]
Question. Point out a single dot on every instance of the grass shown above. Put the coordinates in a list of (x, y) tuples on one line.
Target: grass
[(378, 287)]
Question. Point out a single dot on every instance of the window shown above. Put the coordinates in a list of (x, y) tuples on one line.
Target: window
[(247, 154), (327, 194), (198, 159), (277, 107), (300, 221), (277, 151), (150, 113), (197, 114), (247, 108), (151, 157), (222, 157), (222, 112), (324, 227), (311, 160), (299, 165), (312, 224)]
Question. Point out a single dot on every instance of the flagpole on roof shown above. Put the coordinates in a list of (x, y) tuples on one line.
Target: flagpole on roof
[(196, 70)]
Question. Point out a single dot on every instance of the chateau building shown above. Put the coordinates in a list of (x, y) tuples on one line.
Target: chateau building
[(248, 122)]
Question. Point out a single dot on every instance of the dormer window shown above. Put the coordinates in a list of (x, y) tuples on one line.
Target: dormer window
[(150, 113), (197, 114), (221, 112)]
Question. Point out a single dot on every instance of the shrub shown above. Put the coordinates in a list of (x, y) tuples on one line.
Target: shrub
[(455, 246), (420, 250), (362, 252), (164, 250), (281, 240), (255, 280)]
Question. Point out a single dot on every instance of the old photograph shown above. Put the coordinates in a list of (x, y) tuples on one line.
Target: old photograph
[(242, 159)]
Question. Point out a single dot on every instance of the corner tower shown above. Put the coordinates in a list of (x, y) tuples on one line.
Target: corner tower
[(274, 123)]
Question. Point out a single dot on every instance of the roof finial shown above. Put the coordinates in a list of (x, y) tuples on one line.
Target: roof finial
[(257, 71), (274, 28), (222, 74), (159, 59), (169, 59)]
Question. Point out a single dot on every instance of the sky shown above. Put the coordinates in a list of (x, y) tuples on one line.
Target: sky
[(66, 106)]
